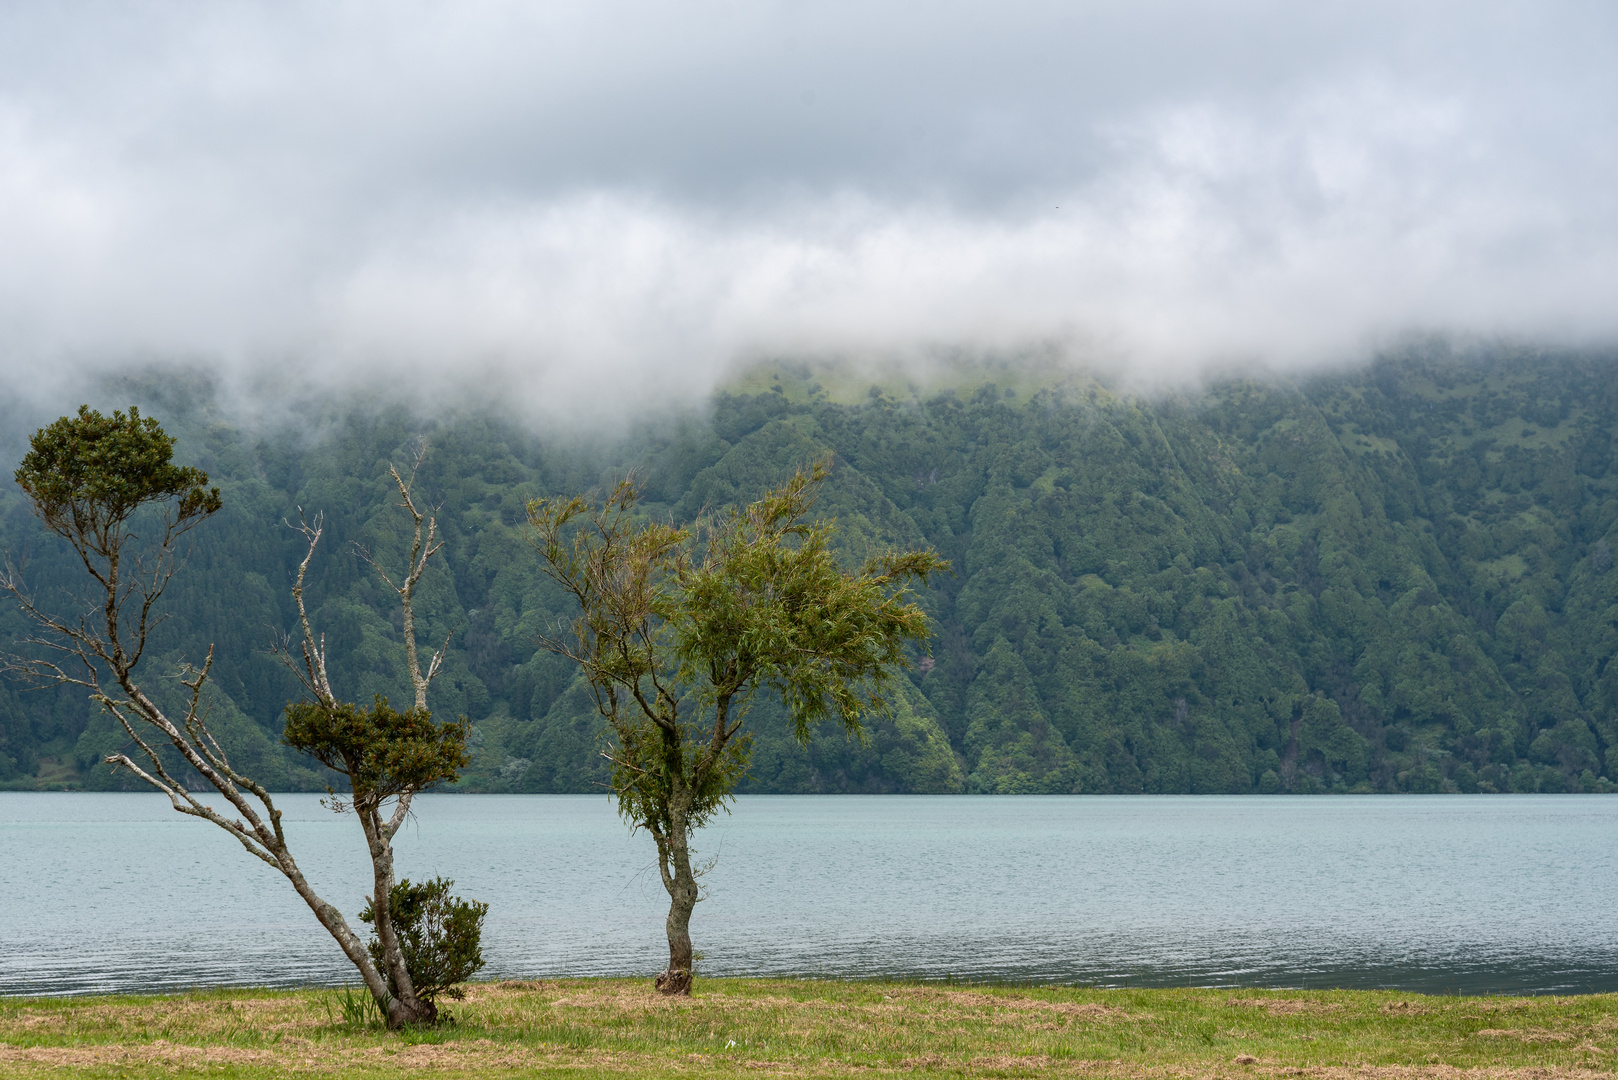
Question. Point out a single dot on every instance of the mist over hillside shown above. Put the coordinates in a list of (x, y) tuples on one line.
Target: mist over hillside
[(587, 211), (1394, 578)]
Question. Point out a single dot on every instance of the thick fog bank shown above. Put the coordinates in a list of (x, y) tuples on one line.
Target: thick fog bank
[(576, 210)]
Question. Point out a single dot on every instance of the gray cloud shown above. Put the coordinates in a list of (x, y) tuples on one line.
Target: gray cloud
[(545, 202)]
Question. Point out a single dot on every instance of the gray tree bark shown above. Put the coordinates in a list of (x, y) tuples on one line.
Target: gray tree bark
[(674, 861)]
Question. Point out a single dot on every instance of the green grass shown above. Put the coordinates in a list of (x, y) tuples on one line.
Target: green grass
[(759, 1027)]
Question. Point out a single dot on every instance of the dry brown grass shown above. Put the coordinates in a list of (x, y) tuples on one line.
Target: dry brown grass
[(1282, 1006)]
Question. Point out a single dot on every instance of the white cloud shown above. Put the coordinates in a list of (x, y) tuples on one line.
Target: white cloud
[(555, 204)]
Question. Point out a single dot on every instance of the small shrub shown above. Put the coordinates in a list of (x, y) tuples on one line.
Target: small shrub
[(439, 934)]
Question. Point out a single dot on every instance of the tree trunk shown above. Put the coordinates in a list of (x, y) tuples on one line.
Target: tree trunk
[(681, 883), (266, 842), (376, 981), (402, 1007)]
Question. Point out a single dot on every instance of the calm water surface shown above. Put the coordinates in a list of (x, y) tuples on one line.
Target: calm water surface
[(1478, 894)]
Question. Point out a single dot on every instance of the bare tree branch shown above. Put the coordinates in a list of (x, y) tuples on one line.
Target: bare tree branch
[(89, 478), (343, 736)]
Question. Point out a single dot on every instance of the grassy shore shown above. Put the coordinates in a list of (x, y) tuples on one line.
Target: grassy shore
[(760, 1027)]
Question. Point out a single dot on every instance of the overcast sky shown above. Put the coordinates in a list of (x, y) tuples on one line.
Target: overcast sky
[(552, 202)]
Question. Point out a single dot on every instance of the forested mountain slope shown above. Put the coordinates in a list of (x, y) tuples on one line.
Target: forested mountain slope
[(1395, 579)]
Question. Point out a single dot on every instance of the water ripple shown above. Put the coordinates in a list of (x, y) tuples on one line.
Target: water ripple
[(115, 892)]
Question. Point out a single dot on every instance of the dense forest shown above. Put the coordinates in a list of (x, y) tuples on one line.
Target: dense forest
[(1397, 578)]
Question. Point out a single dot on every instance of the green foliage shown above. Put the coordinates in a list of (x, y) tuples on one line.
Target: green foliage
[(1426, 543), (698, 621), (87, 474), (1016, 750), (904, 752), (382, 752), (679, 629), (768, 605), (439, 933)]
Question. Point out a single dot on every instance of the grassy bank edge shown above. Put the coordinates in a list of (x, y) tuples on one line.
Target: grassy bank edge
[(752, 1027)]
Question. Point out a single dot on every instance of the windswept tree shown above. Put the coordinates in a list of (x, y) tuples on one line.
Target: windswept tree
[(109, 487), (681, 628), (387, 756)]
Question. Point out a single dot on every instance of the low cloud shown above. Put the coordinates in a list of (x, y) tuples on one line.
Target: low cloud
[(571, 210)]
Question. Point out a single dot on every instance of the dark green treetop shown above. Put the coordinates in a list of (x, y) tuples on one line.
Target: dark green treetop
[(383, 752), (87, 474)]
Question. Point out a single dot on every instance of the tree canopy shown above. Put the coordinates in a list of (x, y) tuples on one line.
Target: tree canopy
[(678, 629), (383, 753), (1207, 592), (87, 474)]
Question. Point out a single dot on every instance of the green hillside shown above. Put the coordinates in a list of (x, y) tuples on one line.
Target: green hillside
[(1394, 579)]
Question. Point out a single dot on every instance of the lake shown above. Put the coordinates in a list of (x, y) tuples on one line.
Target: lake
[(1468, 894)]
